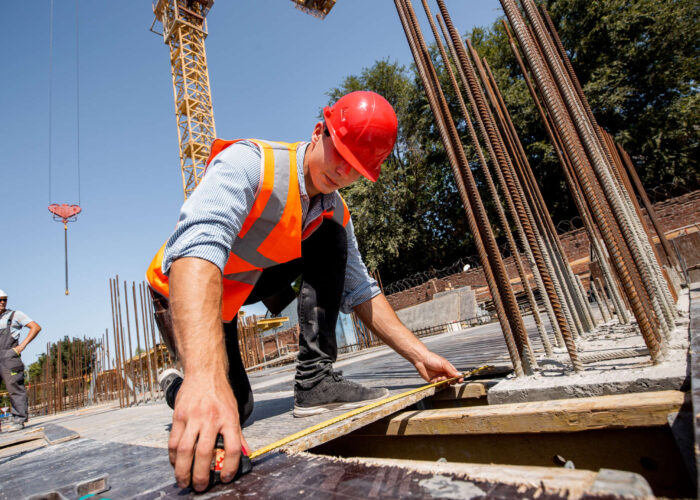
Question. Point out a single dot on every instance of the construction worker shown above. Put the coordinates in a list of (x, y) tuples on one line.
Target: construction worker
[(264, 214), (11, 366)]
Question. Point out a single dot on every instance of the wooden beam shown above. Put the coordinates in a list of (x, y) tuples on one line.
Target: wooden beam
[(564, 415), (470, 390), (346, 426)]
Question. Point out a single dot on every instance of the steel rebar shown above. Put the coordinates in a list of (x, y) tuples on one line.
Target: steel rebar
[(557, 111), (458, 162), (494, 141), (492, 189), (588, 134)]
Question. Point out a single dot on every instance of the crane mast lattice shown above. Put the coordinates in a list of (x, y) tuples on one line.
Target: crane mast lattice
[(183, 26)]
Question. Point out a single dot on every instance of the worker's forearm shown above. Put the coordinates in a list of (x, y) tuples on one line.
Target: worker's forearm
[(34, 330), (378, 315), (195, 305)]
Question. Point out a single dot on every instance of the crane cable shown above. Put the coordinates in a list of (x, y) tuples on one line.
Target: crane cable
[(50, 88), (77, 91), (77, 94), (64, 212)]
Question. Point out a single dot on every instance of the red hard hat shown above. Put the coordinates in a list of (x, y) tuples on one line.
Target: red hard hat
[(363, 129)]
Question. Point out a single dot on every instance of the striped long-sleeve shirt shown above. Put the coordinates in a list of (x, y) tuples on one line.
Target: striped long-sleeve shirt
[(213, 215)]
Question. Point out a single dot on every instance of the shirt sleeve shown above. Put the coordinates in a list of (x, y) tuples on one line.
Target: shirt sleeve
[(21, 320), (359, 286), (214, 213)]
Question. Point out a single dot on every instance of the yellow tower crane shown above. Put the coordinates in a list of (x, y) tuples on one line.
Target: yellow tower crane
[(183, 26)]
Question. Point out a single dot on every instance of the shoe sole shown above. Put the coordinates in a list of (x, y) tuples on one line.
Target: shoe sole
[(308, 411)]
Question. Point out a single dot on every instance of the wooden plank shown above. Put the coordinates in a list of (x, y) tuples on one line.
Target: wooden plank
[(55, 434), (569, 483), (35, 437), (356, 422), (649, 451), (303, 475), (472, 390), (17, 437), (564, 415)]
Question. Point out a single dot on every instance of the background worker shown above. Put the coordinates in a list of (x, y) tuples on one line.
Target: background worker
[(265, 213), (11, 366)]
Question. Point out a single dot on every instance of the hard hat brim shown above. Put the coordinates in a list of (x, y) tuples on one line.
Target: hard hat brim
[(345, 152)]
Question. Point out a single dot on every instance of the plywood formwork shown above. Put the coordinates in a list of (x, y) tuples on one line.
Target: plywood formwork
[(184, 30)]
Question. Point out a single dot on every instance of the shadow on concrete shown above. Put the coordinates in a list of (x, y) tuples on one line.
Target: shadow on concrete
[(270, 408)]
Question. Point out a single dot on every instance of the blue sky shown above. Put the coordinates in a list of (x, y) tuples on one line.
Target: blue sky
[(270, 69)]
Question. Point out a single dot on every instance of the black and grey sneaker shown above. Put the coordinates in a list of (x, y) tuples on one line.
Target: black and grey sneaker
[(334, 393), (170, 381)]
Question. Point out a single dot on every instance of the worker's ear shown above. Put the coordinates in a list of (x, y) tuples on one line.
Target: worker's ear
[(317, 134)]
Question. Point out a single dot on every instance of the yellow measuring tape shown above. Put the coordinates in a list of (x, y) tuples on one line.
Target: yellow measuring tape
[(357, 411)]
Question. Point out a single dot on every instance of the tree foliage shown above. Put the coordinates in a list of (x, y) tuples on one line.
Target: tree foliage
[(638, 63), (413, 209), (70, 349)]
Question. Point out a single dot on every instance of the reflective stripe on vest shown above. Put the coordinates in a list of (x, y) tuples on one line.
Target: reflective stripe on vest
[(271, 233)]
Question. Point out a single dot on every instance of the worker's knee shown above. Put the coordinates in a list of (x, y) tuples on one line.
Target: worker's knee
[(328, 243)]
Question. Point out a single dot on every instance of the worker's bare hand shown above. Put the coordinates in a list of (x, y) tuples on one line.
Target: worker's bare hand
[(435, 368), (204, 408)]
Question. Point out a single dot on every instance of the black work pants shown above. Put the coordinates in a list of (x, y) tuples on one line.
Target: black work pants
[(322, 268)]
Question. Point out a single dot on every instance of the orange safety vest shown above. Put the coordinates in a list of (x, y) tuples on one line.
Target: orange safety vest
[(271, 233)]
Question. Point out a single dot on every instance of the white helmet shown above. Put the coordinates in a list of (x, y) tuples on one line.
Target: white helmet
[(2, 294)]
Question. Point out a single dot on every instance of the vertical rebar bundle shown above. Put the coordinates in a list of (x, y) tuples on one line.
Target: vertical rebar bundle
[(574, 187), (73, 374), (489, 256), (492, 188), (133, 373), (592, 168)]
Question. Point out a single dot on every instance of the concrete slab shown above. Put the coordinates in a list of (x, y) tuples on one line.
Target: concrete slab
[(118, 441), (451, 306), (605, 377)]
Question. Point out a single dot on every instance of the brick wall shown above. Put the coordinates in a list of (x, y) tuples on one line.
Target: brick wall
[(673, 214), (289, 337)]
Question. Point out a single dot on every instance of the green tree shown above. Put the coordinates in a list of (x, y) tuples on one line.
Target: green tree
[(69, 349), (639, 66), (638, 63)]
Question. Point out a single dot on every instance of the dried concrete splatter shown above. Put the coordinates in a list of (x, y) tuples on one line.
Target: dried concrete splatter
[(446, 487)]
